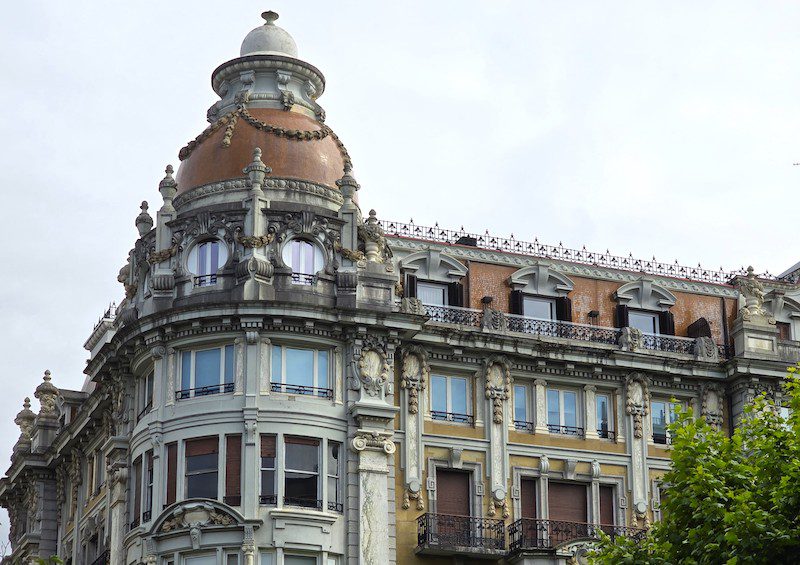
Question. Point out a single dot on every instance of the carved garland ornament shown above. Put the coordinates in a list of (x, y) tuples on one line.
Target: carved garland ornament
[(410, 495), (498, 384), (254, 241), (349, 254), (416, 372), (162, 255), (637, 401)]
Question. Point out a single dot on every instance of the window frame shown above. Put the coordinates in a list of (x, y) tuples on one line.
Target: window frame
[(200, 277), (334, 500), (268, 499), (290, 388), (561, 428), (205, 471), (529, 422), (551, 302), (609, 432), (433, 285), (226, 381), (297, 501), (287, 256), (450, 416), (669, 414), (650, 314), (148, 476)]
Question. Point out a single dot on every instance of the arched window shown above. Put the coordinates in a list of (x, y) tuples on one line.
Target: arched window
[(304, 258), (205, 259)]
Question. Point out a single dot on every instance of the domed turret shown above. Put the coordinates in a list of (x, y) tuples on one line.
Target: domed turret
[(268, 39)]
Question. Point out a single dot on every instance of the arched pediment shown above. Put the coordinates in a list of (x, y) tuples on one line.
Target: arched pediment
[(784, 308), (541, 280), (433, 265), (196, 513), (645, 294)]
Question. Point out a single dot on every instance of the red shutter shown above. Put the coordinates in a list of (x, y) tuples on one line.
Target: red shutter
[(666, 323), (567, 502), (410, 288), (622, 315), (268, 446), (233, 465), (607, 505), (172, 470), (202, 446), (564, 309), (137, 488), (528, 498), (515, 302), (452, 493)]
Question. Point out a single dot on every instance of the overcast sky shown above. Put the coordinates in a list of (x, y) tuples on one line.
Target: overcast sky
[(664, 129)]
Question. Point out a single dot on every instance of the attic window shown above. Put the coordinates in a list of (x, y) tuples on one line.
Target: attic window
[(205, 260)]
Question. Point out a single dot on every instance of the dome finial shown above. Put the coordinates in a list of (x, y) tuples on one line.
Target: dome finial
[(269, 17)]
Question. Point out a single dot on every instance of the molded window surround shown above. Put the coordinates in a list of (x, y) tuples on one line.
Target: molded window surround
[(304, 258), (206, 371), (205, 260)]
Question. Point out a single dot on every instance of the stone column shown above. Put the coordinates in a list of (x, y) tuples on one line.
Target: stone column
[(413, 384), (637, 406), (590, 414), (497, 382), (541, 406), (116, 450)]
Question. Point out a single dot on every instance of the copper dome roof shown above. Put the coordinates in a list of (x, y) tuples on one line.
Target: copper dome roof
[(294, 146)]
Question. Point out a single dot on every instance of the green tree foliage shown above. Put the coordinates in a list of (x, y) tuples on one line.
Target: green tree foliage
[(728, 500)]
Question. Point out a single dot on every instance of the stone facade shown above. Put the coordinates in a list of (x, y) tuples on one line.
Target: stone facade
[(289, 381)]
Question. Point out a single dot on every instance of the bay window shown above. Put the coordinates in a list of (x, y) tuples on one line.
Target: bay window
[(206, 371), (301, 371), (301, 472), (450, 399), (202, 467), (562, 412)]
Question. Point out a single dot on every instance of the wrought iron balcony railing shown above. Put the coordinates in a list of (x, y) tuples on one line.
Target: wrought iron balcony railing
[(566, 330), (268, 499), (662, 438), (524, 426), (336, 507), (605, 433), (303, 502), (452, 417), (460, 534), (147, 515), (669, 343), (532, 534), (144, 411), (205, 280), (203, 391), (302, 389), (303, 278), (455, 315), (565, 430)]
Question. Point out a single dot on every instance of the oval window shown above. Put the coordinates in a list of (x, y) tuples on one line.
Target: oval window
[(304, 258), (205, 259)]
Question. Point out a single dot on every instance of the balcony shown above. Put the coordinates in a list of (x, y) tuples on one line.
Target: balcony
[(499, 321), (452, 417), (528, 534), (477, 538), (205, 280), (565, 430), (203, 391)]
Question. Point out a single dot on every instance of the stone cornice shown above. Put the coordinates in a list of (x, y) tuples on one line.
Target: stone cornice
[(271, 183), (267, 63), (575, 269)]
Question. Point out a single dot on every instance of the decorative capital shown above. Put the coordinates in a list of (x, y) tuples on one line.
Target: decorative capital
[(375, 440)]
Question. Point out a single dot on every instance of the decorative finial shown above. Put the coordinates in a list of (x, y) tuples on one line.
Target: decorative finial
[(750, 270), (269, 17), (168, 189), (144, 222), (47, 377), (256, 171), (169, 170), (27, 404)]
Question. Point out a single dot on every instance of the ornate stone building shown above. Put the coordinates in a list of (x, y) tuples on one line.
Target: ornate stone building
[(289, 381)]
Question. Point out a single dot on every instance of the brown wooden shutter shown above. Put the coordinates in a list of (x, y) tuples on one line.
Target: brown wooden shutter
[(515, 302), (452, 492), (455, 294), (137, 488), (607, 505), (622, 315), (567, 502), (410, 287), (202, 446), (233, 465), (564, 309), (268, 446), (699, 328), (528, 497), (302, 441), (784, 330), (172, 470), (666, 323)]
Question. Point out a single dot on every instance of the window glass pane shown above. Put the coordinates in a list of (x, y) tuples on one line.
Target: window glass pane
[(553, 413), (210, 559), (203, 485), (520, 404), (186, 370), (642, 321), (202, 259), (603, 421), (438, 394), (302, 486), (659, 417), (276, 364), (206, 367), (538, 308), (228, 363), (322, 369), (299, 367), (458, 392), (333, 458), (570, 408), (299, 560), (333, 489), (266, 559), (201, 462), (267, 482), (430, 293), (232, 559), (301, 457)]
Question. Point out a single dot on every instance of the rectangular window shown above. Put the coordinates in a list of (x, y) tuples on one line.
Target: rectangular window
[(267, 470), (784, 330), (148, 487), (89, 477), (99, 470), (450, 399), (432, 294), (334, 472), (146, 395), (136, 492), (299, 560), (206, 559), (567, 502), (267, 559), (172, 472), (605, 419), (206, 371), (644, 321), (202, 467), (301, 474), (541, 308), (662, 413), (231, 559), (527, 493), (233, 470), (562, 412), (301, 371), (522, 421)]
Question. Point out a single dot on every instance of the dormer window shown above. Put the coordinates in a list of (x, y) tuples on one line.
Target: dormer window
[(643, 321), (305, 260), (432, 293), (205, 260), (644, 305)]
